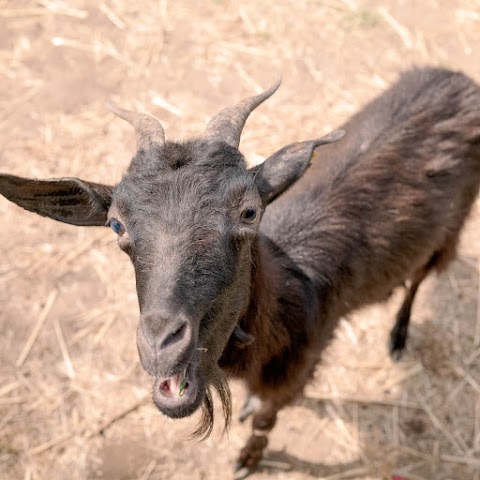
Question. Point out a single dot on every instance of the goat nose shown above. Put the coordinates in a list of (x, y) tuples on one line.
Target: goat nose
[(165, 331)]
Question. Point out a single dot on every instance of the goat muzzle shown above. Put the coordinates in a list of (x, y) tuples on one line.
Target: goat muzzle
[(181, 394)]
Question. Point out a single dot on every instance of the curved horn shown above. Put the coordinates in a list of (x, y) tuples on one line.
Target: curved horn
[(148, 129), (227, 125)]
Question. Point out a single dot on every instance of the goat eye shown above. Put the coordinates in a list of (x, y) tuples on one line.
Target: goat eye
[(117, 227), (249, 215)]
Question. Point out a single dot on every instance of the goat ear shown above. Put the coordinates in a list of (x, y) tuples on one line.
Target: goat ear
[(285, 167), (68, 200)]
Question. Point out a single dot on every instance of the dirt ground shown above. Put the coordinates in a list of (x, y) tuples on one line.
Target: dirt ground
[(74, 401)]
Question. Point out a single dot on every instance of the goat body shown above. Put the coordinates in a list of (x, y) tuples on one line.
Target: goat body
[(383, 206)]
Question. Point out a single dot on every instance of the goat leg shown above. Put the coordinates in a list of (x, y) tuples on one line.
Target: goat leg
[(262, 423), (398, 335)]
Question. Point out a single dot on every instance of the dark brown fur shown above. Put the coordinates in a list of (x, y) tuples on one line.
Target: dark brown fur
[(380, 208)]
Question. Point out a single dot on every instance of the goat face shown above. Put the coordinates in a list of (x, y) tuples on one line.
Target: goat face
[(187, 214), (187, 220)]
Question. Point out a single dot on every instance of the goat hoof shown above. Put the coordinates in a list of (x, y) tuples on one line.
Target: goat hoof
[(396, 355), (252, 403), (396, 346), (250, 456), (242, 472)]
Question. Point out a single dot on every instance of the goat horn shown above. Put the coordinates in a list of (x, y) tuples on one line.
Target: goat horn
[(227, 125), (148, 129)]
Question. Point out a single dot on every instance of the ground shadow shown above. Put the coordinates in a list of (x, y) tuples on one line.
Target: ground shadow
[(313, 469)]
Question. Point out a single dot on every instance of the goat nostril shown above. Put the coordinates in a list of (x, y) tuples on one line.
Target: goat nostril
[(175, 336), (179, 331)]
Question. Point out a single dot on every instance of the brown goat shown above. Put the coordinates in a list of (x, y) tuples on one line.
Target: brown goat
[(221, 292)]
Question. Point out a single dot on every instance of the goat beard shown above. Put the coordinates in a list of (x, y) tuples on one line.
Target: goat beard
[(219, 383)]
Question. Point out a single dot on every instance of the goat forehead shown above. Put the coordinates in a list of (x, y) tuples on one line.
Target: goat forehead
[(178, 171), (191, 193), (176, 156)]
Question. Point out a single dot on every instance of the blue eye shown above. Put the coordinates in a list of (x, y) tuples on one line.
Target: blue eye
[(117, 227)]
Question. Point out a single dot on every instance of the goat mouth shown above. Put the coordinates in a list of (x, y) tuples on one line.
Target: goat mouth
[(179, 395)]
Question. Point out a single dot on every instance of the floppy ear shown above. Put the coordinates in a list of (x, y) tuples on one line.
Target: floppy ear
[(285, 167), (68, 200)]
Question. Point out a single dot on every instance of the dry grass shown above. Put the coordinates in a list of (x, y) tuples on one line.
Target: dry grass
[(73, 399)]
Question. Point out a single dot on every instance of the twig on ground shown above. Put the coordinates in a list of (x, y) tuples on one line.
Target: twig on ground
[(37, 328)]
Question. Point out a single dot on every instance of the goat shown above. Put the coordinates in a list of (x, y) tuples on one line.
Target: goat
[(244, 272)]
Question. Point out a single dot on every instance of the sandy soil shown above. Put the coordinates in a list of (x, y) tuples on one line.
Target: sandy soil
[(74, 402)]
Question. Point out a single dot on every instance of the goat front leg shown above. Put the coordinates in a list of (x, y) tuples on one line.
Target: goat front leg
[(263, 420)]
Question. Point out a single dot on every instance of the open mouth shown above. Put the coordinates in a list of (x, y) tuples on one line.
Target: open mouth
[(179, 395), (175, 386)]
